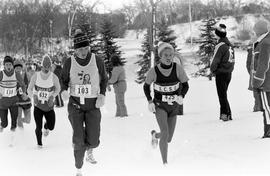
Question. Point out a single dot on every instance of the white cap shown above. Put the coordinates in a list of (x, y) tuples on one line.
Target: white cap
[(162, 46)]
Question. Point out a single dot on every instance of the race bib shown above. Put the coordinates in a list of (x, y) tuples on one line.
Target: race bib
[(9, 92), (43, 96), (169, 98), (83, 90)]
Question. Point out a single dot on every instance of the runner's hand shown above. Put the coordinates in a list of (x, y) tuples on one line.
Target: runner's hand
[(24, 96), (50, 101), (100, 101), (65, 95), (179, 100), (151, 107)]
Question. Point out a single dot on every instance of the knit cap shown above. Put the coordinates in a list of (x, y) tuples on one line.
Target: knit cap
[(80, 39), (162, 46), (8, 59), (221, 30)]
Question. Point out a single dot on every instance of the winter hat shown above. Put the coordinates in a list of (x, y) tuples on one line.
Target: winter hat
[(162, 46), (17, 63), (46, 62), (260, 27), (8, 59), (80, 39), (221, 31)]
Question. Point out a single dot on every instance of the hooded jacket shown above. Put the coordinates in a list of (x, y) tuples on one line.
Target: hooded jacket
[(223, 58)]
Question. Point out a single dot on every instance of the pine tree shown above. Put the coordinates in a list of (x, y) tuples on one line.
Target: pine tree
[(108, 45), (145, 60), (207, 47), (164, 34)]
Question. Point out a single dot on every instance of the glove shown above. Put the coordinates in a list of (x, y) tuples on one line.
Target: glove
[(151, 107), (65, 95), (100, 101), (24, 97), (51, 101), (179, 100)]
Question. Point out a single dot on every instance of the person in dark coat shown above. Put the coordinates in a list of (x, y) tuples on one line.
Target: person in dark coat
[(57, 71), (222, 65), (261, 79)]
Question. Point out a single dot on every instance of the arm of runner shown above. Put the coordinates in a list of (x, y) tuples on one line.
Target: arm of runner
[(183, 78), (20, 82), (56, 83), (150, 78), (65, 77), (31, 85), (103, 76)]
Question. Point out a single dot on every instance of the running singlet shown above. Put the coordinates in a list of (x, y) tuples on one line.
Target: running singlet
[(8, 85), (166, 88), (84, 80), (44, 89)]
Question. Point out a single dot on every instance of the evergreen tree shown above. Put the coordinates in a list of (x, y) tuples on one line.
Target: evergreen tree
[(108, 45), (207, 47), (164, 34), (145, 60)]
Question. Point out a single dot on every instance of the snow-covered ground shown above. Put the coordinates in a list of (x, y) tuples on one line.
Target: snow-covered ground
[(202, 145)]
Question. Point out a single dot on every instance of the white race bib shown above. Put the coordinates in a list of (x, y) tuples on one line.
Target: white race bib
[(43, 95), (169, 98), (9, 92), (83, 90)]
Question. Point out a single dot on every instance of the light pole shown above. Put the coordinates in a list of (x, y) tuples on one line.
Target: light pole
[(153, 30)]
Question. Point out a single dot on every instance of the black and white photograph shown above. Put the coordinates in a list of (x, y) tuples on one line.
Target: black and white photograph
[(134, 87)]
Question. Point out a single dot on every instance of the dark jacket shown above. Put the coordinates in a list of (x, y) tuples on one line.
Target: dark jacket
[(262, 74), (223, 58)]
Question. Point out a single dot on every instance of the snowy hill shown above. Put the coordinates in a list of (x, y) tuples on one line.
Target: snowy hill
[(202, 145)]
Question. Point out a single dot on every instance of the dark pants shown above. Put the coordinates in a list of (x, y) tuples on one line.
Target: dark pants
[(258, 103), (86, 128), (265, 101), (4, 117), (222, 83), (50, 122)]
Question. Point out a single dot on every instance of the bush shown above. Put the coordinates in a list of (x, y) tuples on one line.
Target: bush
[(243, 35)]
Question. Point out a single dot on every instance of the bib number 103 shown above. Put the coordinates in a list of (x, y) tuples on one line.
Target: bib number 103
[(83, 90)]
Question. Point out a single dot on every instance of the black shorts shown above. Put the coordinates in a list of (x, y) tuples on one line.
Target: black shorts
[(172, 110)]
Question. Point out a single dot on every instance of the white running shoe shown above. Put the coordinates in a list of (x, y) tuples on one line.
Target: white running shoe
[(46, 132), (154, 140), (90, 157)]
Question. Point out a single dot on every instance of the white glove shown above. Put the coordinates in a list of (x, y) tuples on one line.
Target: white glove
[(152, 107), (100, 101), (179, 100), (65, 95)]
